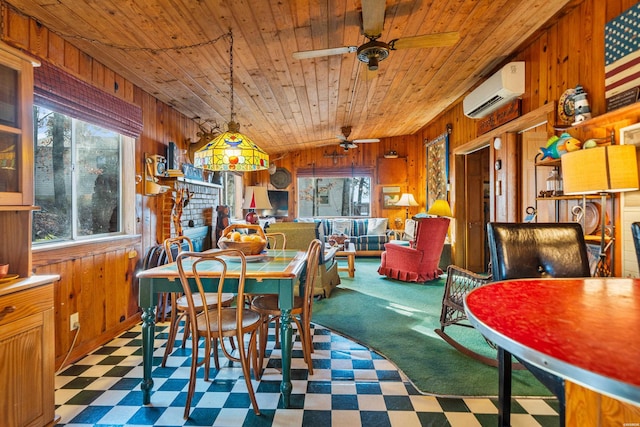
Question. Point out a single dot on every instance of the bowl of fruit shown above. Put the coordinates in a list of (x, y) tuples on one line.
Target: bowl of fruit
[(249, 238)]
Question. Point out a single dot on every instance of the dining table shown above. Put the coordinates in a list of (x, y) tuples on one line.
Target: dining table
[(271, 272), (580, 330)]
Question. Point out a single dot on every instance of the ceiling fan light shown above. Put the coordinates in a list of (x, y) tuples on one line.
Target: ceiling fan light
[(373, 49), (373, 64)]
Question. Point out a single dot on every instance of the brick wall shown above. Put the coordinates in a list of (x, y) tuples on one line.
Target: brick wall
[(199, 211)]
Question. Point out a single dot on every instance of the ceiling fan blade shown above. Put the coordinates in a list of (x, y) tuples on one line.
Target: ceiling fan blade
[(342, 138), (325, 144), (366, 140), (373, 17), (426, 40), (306, 54)]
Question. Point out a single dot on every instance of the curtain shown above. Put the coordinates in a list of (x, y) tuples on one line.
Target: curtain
[(334, 172), (60, 91)]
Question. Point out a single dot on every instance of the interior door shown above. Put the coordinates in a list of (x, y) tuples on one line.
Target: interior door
[(531, 142), (477, 208)]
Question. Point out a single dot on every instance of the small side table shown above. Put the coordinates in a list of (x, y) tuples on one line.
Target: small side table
[(348, 252)]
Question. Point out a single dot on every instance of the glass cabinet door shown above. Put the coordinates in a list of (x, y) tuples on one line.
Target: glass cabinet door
[(9, 169), (16, 129)]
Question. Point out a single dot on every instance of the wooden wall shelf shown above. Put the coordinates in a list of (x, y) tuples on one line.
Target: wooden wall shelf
[(166, 179), (569, 197), (607, 119)]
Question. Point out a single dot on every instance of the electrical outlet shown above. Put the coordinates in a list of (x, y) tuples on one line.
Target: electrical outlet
[(74, 321)]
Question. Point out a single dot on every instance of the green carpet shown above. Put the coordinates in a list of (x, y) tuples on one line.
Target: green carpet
[(398, 319)]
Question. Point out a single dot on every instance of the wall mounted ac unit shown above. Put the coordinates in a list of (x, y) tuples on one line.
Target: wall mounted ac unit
[(497, 90)]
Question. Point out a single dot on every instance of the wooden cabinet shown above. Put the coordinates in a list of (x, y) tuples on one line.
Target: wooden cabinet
[(27, 340), (27, 352), (16, 159)]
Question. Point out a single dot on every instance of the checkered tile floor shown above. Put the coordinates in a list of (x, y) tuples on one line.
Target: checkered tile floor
[(351, 386)]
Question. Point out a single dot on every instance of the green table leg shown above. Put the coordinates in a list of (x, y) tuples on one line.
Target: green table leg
[(148, 332), (286, 347)]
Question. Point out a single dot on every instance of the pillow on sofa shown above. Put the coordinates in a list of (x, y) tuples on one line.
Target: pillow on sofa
[(409, 230), (341, 226), (377, 226)]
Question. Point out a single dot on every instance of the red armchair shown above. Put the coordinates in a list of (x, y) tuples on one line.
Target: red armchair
[(418, 262)]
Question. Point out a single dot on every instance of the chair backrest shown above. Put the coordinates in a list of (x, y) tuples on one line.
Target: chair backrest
[(530, 250), (276, 240), (635, 231), (174, 245), (154, 257), (431, 233), (196, 267), (316, 247), (299, 234)]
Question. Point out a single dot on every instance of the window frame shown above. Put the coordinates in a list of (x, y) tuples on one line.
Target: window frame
[(127, 191), (335, 174)]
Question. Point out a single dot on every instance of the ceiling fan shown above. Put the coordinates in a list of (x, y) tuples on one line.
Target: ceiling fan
[(346, 144), (374, 51)]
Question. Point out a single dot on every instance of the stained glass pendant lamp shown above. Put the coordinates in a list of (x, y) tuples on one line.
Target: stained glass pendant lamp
[(231, 151)]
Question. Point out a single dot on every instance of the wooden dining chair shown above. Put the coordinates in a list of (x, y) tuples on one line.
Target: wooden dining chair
[(220, 322), (179, 307), (156, 256), (267, 307), (276, 240)]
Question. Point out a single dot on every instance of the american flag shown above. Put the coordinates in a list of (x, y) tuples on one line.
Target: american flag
[(622, 52)]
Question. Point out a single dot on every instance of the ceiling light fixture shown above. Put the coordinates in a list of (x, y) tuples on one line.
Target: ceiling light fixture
[(231, 150)]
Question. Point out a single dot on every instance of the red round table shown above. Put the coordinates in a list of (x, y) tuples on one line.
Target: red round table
[(581, 330)]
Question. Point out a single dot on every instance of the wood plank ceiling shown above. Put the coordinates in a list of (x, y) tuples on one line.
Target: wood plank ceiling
[(174, 49)]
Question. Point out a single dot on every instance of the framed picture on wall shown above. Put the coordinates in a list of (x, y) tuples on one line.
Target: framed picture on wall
[(437, 171), (630, 135), (390, 196)]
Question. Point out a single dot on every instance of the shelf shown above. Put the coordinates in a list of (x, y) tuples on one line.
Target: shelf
[(19, 208), (550, 162), (568, 197), (592, 238), (189, 181), (605, 119)]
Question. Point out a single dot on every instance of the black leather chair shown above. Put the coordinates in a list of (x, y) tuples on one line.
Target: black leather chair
[(530, 250)]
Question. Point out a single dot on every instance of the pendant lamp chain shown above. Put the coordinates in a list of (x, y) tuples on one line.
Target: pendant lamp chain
[(233, 114), (231, 150)]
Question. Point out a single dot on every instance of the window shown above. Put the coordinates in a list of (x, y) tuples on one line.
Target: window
[(77, 178), (232, 193), (334, 196)]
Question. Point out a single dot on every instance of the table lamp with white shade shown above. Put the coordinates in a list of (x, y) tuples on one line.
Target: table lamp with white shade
[(255, 198), (407, 200)]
